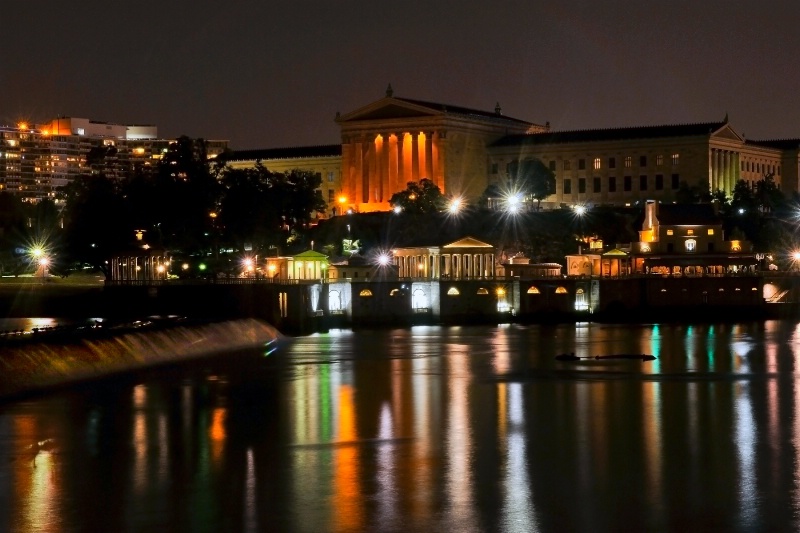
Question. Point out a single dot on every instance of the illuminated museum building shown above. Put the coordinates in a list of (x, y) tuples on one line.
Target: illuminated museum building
[(37, 159), (394, 140)]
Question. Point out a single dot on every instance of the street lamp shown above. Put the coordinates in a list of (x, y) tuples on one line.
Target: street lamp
[(43, 262)]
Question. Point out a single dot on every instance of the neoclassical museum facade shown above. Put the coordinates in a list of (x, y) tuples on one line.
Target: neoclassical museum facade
[(394, 140)]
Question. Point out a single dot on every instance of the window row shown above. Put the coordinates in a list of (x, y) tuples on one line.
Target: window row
[(627, 184), (611, 162), (761, 168)]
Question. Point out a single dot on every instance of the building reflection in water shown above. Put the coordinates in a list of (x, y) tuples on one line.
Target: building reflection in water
[(459, 429)]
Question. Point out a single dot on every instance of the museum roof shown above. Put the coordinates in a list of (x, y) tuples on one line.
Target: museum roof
[(293, 152), (782, 144), (458, 110), (611, 134)]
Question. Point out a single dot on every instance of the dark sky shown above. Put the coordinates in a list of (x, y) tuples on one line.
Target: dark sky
[(274, 73)]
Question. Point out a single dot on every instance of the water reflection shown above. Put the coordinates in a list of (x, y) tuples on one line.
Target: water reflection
[(462, 429)]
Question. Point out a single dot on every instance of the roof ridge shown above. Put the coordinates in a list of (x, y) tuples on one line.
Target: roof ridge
[(612, 128)]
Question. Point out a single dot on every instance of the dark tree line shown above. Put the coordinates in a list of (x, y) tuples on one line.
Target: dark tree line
[(188, 206)]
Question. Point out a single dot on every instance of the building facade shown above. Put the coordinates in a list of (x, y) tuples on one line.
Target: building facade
[(35, 160), (394, 140)]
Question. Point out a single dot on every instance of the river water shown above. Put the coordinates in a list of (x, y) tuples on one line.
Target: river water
[(425, 429)]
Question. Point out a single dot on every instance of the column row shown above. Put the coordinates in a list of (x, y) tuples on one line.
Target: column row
[(376, 168), (725, 171)]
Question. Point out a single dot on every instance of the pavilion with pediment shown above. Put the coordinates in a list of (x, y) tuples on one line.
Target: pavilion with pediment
[(394, 141)]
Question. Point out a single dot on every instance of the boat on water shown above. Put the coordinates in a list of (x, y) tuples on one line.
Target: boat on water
[(631, 356)]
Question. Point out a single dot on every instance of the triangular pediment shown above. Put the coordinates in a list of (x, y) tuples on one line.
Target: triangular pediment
[(468, 242), (726, 132), (615, 252), (310, 255), (386, 109)]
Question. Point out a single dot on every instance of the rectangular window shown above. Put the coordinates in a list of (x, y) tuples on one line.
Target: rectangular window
[(552, 165), (596, 164), (612, 184), (581, 185), (494, 168), (627, 184), (676, 182), (612, 162), (330, 176), (659, 182), (596, 184), (581, 164), (642, 160), (628, 162), (567, 186), (676, 159), (567, 164), (670, 232), (510, 167), (659, 160), (711, 232), (331, 199), (642, 183)]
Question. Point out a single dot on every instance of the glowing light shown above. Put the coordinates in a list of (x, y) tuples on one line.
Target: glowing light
[(201, 266), (160, 269), (343, 199), (185, 266), (580, 209), (455, 205), (23, 125), (44, 261), (501, 291), (514, 203), (384, 259), (397, 209), (212, 215)]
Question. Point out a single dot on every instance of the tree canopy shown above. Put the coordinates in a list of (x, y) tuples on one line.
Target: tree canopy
[(533, 179), (420, 198)]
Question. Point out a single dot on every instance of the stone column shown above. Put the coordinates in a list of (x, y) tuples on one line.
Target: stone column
[(414, 157), (383, 167), (714, 170), (726, 165), (429, 156), (363, 192), (737, 168), (401, 164), (441, 158)]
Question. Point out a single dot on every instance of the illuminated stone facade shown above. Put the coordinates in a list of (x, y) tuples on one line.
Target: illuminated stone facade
[(395, 140)]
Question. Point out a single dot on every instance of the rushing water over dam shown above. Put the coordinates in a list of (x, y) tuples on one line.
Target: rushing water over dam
[(425, 429)]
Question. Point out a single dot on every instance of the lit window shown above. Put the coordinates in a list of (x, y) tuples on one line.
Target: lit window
[(561, 290), (691, 245), (579, 291), (452, 291), (670, 232), (533, 290), (482, 291), (394, 292), (659, 160), (690, 232), (365, 292), (597, 163), (676, 159), (628, 162), (711, 232)]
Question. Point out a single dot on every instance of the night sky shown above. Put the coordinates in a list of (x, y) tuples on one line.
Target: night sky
[(272, 74)]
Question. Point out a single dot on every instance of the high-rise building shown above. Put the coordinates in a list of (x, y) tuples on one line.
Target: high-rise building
[(35, 160)]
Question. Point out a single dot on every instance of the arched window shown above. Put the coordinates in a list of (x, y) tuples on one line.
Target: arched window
[(691, 245), (482, 291), (533, 290), (452, 291), (365, 292), (561, 290), (394, 292), (419, 300)]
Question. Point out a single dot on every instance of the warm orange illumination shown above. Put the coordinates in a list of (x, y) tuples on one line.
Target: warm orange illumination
[(23, 125), (343, 199)]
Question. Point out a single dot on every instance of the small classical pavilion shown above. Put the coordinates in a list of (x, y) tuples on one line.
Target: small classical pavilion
[(308, 265), (466, 258)]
